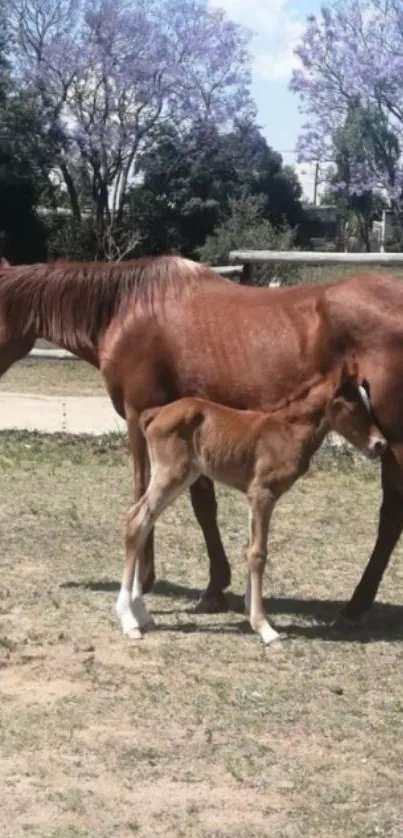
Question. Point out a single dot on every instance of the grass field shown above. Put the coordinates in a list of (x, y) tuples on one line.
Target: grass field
[(53, 378), (197, 730)]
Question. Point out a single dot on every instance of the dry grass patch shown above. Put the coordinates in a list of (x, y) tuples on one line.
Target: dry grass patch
[(197, 730), (53, 378), (332, 273)]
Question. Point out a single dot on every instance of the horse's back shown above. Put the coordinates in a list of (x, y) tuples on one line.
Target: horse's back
[(244, 347)]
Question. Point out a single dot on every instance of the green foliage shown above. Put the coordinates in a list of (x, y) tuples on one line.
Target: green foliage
[(190, 182), (25, 161), (247, 228), (68, 238)]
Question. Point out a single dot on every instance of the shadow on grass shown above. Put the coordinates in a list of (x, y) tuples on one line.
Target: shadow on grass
[(384, 621)]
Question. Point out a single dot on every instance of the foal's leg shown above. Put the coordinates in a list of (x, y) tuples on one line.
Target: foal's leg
[(132, 612), (168, 481), (261, 504), (141, 471), (204, 503), (164, 487), (389, 531)]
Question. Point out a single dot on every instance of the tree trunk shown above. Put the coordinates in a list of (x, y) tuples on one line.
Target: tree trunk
[(75, 206)]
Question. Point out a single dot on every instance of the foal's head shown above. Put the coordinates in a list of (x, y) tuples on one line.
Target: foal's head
[(350, 413)]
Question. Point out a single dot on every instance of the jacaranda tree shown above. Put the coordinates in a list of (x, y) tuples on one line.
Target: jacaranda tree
[(351, 57), (109, 73)]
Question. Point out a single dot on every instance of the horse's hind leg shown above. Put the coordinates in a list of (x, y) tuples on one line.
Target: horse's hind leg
[(389, 531), (204, 503)]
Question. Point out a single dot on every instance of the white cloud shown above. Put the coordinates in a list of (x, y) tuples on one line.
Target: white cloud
[(279, 62), (277, 29)]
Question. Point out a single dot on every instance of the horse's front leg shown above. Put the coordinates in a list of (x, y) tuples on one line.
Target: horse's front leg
[(204, 503), (389, 531)]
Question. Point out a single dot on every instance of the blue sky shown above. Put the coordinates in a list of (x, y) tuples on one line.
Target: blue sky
[(278, 25)]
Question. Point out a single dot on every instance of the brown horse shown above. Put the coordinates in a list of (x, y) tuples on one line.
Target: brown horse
[(261, 454), (164, 328)]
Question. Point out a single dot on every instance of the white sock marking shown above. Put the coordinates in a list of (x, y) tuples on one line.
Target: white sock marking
[(126, 615), (268, 633), (137, 586)]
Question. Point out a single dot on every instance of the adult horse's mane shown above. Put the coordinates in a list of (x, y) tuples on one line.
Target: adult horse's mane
[(78, 300)]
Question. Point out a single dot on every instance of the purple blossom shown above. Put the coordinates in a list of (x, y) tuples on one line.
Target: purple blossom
[(110, 71), (353, 52)]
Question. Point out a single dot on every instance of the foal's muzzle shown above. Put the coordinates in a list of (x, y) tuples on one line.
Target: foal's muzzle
[(376, 447)]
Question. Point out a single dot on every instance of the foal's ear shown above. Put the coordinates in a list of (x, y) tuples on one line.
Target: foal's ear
[(349, 370), (344, 373)]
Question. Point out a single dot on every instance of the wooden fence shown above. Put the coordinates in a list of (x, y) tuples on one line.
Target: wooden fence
[(242, 265)]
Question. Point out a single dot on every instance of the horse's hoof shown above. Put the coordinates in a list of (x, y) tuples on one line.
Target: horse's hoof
[(149, 624), (342, 621), (148, 584), (211, 604), (134, 634)]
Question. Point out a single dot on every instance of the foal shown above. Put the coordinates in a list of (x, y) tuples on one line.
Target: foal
[(261, 454)]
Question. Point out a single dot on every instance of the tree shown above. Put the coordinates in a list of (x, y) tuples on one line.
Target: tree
[(4, 62), (25, 162), (111, 72), (247, 228), (190, 179), (354, 149), (352, 54)]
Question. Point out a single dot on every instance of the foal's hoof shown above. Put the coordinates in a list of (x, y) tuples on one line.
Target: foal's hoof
[(276, 643), (134, 634), (211, 604), (269, 635)]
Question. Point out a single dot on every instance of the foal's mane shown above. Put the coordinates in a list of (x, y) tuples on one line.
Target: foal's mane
[(296, 401), (74, 302)]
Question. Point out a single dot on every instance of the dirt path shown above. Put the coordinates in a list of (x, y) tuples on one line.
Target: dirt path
[(59, 414)]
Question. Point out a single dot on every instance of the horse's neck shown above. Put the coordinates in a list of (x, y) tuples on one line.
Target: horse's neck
[(47, 323), (81, 347)]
